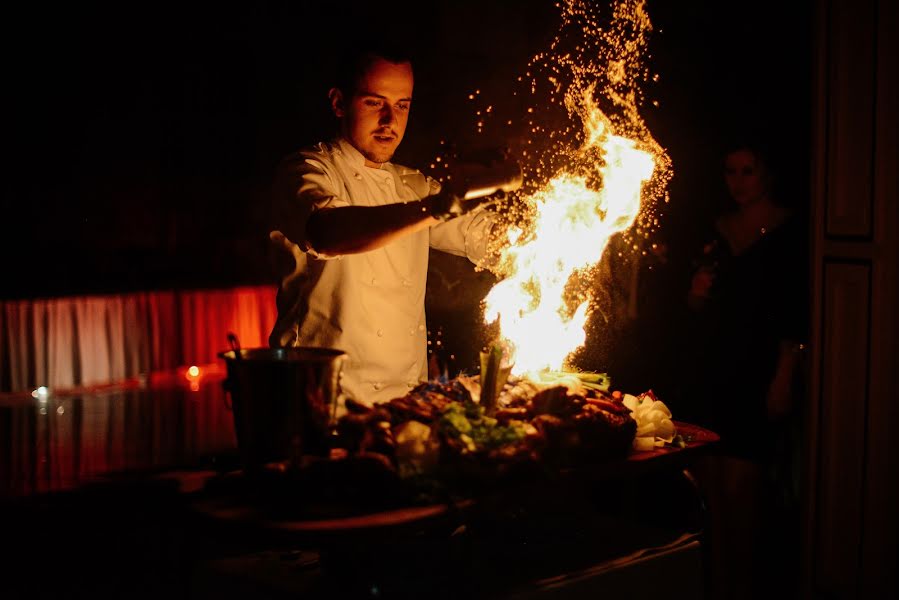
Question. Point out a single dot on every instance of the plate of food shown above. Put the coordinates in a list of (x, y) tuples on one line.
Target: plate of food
[(427, 456), (452, 433)]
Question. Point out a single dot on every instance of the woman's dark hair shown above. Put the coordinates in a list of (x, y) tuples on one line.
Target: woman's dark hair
[(758, 147), (356, 59)]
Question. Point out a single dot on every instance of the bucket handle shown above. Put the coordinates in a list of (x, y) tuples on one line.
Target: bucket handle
[(234, 343)]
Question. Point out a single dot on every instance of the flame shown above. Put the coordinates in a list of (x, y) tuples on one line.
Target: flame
[(541, 305)]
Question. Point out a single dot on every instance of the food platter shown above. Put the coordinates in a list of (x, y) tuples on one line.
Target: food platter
[(236, 499), (694, 437)]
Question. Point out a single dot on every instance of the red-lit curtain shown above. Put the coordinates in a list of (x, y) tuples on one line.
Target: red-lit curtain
[(68, 342), (208, 316)]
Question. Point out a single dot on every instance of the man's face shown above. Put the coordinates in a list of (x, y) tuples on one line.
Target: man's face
[(374, 118)]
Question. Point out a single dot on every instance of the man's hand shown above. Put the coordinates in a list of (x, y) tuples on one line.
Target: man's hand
[(474, 188), (448, 204)]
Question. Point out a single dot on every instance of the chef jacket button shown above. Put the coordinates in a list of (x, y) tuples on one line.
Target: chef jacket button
[(376, 385), (407, 283), (380, 333), (421, 327), (411, 332)]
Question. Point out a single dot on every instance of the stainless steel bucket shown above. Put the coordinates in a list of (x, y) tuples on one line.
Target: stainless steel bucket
[(284, 401)]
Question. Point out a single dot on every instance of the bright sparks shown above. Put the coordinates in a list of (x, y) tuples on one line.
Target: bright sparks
[(600, 175)]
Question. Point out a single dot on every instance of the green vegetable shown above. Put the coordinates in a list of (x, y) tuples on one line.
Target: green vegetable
[(597, 381), (493, 377), (591, 380), (469, 423)]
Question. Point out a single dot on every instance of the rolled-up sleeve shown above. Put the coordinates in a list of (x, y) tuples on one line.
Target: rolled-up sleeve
[(465, 236)]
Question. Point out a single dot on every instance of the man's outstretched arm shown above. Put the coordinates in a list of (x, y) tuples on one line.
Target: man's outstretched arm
[(354, 229)]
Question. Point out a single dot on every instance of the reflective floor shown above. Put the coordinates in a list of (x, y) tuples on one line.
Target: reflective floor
[(54, 441)]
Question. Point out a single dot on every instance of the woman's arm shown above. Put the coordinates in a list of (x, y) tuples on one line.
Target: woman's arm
[(780, 390)]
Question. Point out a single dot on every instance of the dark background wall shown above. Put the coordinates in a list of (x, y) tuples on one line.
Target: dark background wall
[(143, 137)]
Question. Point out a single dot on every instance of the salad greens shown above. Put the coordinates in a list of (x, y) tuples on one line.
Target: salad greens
[(470, 424)]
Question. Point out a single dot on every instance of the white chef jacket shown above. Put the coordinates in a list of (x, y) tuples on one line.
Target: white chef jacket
[(370, 305)]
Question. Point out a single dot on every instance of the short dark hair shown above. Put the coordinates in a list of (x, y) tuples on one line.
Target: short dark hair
[(356, 59)]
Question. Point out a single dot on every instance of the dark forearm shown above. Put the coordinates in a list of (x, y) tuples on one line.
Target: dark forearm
[(354, 229), (789, 357)]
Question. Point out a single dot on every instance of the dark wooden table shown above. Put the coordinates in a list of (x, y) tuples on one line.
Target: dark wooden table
[(109, 489)]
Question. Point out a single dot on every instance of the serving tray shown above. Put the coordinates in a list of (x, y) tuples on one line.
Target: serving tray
[(238, 499)]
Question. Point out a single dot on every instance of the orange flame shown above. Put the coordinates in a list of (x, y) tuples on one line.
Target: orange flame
[(583, 204)]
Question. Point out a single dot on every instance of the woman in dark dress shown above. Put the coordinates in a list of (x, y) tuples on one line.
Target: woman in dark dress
[(747, 304)]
